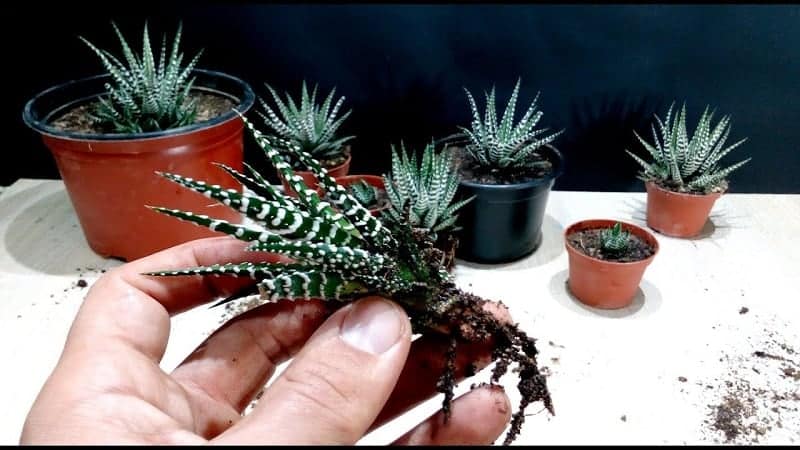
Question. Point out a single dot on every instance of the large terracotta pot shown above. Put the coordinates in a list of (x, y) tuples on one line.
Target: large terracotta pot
[(605, 284), (111, 178), (675, 214)]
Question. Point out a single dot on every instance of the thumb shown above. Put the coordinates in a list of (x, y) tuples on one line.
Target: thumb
[(337, 384)]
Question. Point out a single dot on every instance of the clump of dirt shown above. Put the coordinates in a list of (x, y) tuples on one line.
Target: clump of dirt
[(744, 310), (590, 243), (79, 120)]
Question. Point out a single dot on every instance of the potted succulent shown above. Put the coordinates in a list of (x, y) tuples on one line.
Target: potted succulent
[(509, 169), (421, 195), (109, 134), (312, 128), (369, 190), (342, 254), (684, 178), (607, 260)]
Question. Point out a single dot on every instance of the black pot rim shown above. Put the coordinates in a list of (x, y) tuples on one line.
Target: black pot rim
[(41, 126), (559, 169)]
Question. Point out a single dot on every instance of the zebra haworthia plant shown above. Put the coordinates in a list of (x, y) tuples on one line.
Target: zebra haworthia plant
[(688, 165), (614, 240), (364, 193), (311, 126), (421, 194), (145, 95), (500, 144), (341, 252)]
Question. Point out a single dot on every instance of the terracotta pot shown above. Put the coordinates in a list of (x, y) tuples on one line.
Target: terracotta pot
[(373, 180), (605, 284), (110, 178), (675, 214), (503, 223), (311, 181)]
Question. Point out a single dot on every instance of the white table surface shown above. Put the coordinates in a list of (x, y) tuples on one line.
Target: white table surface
[(686, 323)]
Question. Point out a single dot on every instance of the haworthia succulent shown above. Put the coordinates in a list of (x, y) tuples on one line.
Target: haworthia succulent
[(503, 145), (144, 95), (688, 164)]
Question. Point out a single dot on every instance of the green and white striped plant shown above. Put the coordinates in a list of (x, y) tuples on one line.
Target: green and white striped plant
[(498, 144), (341, 252), (421, 193), (614, 240), (305, 123), (364, 193), (145, 95), (688, 165)]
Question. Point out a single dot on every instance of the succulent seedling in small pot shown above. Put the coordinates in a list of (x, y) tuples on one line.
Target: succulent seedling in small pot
[(607, 260)]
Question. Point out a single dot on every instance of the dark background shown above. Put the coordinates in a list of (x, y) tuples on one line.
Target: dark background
[(602, 72)]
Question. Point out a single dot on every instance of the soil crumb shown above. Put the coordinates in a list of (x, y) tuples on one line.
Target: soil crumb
[(744, 310)]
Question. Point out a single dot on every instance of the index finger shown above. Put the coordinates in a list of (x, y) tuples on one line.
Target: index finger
[(126, 307)]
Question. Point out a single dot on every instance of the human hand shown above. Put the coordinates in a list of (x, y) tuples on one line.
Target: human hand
[(352, 371)]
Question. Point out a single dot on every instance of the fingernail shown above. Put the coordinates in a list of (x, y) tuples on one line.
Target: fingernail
[(373, 326)]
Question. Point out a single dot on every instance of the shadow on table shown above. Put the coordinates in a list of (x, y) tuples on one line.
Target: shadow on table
[(46, 236), (717, 226), (647, 300), (550, 248)]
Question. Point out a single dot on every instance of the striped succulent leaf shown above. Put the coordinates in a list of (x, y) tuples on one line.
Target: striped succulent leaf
[(305, 123), (336, 253), (688, 164), (145, 95), (615, 240), (282, 219), (503, 145), (422, 194), (365, 193)]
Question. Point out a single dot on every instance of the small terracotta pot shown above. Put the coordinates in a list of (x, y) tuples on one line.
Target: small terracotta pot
[(675, 214), (311, 181), (372, 180), (605, 284)]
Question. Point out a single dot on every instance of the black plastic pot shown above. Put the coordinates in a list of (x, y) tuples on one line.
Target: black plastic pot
[(503, 223)]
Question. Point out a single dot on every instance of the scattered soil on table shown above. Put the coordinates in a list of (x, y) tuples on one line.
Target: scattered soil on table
[(682, 379), (758, 395), (744, 310), (82, 283), (78, 120), (589, 243), (624, 418)]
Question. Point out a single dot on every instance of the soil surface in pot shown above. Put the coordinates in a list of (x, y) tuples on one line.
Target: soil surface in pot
[(590, 243), (682, 189), (77, 120), (472, 171), (334, 162)]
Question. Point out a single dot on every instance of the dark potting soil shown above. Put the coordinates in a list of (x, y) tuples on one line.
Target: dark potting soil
[(78, 120), (589, 243), (471, 171)]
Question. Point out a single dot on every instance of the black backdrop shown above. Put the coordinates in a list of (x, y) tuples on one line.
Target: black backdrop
[(602, 72)]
